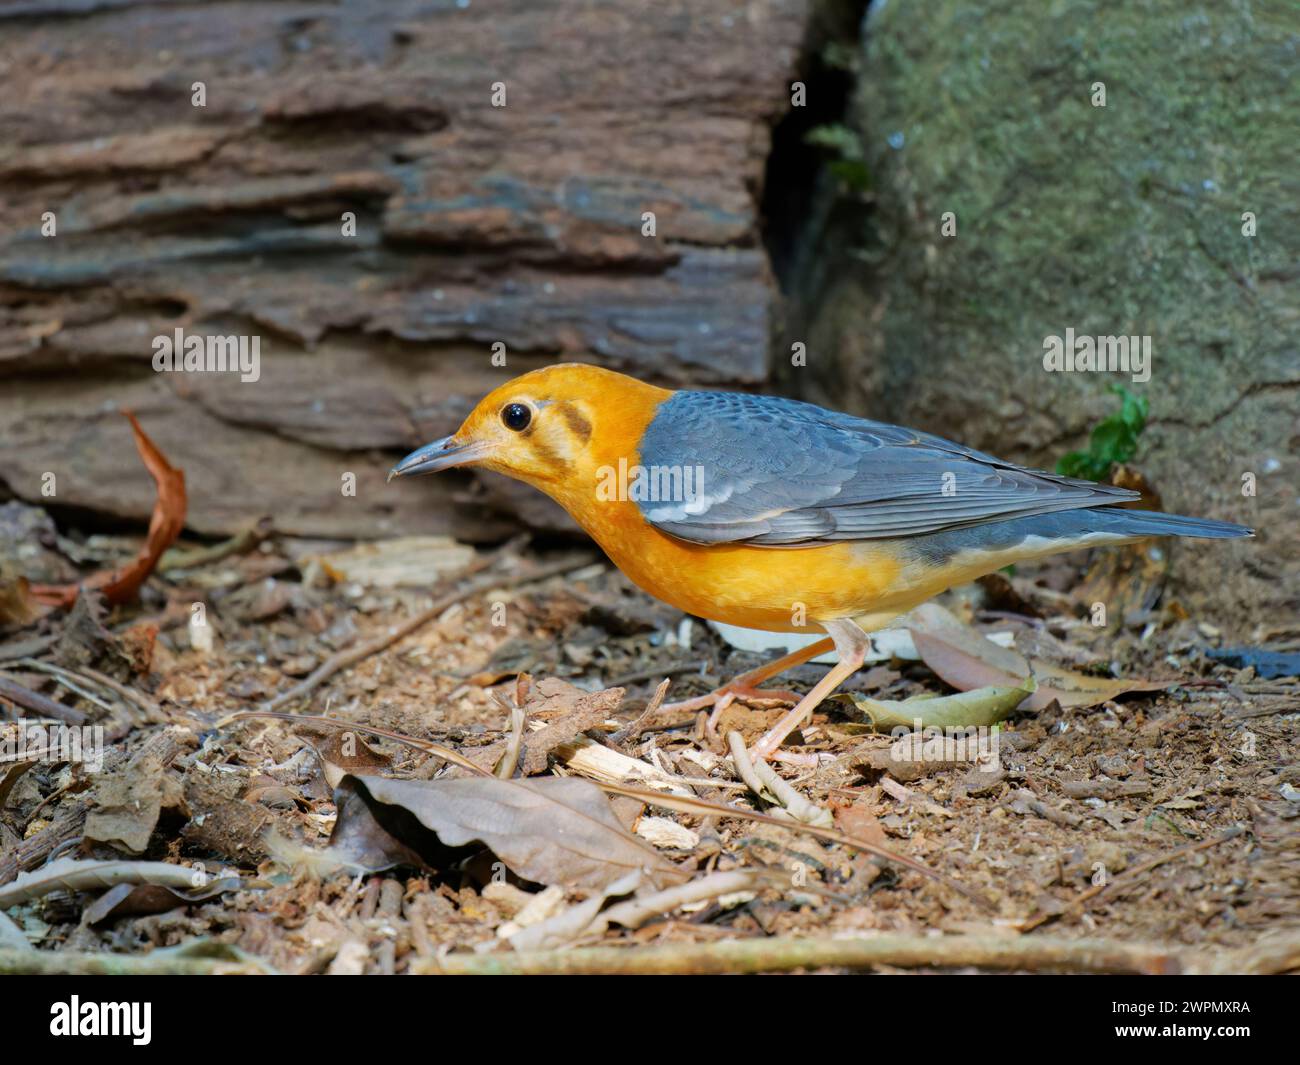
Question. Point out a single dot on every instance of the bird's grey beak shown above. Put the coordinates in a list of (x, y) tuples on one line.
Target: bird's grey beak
[(440, 455)]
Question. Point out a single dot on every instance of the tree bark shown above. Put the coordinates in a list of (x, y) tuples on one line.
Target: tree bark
[(475, 225)]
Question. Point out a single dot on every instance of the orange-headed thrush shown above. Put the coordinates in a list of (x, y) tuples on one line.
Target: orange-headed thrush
[(779, 515)]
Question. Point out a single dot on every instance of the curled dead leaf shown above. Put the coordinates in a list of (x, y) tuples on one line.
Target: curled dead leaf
[(964, 658), (165, 524), (966, 709), (75, 874)]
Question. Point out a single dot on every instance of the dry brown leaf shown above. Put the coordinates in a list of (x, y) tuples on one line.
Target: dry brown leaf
[(127, 900), (551, 831), (861, 821), (122, 584), (688, 804), (18, 607), (966, 660), (10, 772), (343, 751), (127, 803)]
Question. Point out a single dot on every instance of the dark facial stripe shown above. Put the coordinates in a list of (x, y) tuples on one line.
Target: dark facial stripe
[(578, 424), (545, 454)]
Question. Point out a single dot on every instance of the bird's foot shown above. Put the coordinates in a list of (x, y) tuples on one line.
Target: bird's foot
[(729, 693), (767, 748), (852, 644)]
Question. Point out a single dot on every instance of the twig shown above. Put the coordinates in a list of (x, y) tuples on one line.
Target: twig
[(158, 963), (343, 659), (34, 850), (634, 730), (605, 765), (33, 645), (784, 953), (635, 912), (897, 791), (1131, 876), (1282, 706), (68, 679), (36, 702), (150, 708), (143, 702), (509, 762), (239, 544), (585, 920)]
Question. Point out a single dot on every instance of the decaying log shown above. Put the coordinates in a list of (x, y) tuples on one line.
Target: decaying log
[(475, 224)]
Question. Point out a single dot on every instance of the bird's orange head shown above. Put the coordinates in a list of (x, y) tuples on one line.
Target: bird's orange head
[(551, 428)]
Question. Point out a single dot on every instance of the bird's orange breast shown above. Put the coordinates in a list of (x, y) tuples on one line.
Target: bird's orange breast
[(756, 587)]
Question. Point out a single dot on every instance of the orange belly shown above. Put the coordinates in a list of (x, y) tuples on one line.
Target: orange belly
[(777, 589)]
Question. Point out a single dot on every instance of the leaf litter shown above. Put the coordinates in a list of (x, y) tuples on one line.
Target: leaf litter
[(368, 802)]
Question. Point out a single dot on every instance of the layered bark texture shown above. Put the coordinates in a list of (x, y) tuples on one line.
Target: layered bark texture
[(522, 225)]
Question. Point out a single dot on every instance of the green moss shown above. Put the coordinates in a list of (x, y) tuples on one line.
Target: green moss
[(1122, 219)]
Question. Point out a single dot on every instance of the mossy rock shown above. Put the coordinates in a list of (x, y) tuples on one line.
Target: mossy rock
[(1122, 219)]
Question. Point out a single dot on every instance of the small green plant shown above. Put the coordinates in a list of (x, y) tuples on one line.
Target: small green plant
[(1114, 440), (850, 164)]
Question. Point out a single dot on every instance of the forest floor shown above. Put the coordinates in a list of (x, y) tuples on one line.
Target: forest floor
[(1161, 823)]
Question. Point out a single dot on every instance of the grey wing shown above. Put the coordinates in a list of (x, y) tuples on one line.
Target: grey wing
[(779, 473)]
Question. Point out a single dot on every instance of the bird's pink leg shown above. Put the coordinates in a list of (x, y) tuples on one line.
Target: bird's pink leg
[(852, 643), (745, 685)]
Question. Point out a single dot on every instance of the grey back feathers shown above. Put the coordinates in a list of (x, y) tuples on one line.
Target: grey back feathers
[(779, 473)]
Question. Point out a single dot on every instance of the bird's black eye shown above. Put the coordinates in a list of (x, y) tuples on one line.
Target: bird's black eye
[(516, 416)]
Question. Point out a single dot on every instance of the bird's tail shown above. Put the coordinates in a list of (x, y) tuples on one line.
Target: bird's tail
[(981, 549), (1153, 523)]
